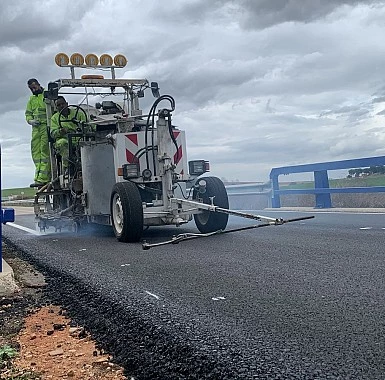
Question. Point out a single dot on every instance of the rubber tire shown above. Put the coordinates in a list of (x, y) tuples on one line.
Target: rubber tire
[(126, 212), (209, 221)]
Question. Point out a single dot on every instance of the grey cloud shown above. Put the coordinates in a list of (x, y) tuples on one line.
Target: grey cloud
[(300, 148), (14, 84), (352, 115), (354, 146), (380, 99), (192, 12), (269, 108), (380, 92), (325, 75), (359, 114), (279, 149), (205, 82), (381, 112), (10, 144), (341, 110), (260, 14), (172, 50), (31, 34), (21, 32), (293, 121), (31, 25), (279, 136)]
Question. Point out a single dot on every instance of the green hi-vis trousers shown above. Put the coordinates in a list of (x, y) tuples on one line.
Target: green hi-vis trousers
[(40, 153)]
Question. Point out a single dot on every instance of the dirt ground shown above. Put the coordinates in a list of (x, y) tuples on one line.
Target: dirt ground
[(39, 341)]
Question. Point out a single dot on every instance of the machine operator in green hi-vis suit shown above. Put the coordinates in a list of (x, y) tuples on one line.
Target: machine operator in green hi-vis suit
[(36, 116), (65, 121)]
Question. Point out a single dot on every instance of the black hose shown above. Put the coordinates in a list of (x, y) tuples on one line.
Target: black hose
[(151, 115), (173, 138)]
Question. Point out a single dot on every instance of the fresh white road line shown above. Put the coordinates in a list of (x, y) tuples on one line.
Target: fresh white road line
[(218, 298), (366, 228), (152, 295), (26, 229)]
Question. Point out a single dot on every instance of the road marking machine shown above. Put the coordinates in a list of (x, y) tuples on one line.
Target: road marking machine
[(127, 168)]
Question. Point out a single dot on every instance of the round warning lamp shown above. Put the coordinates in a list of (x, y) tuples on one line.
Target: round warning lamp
[(62, 59), (92, 60), (77, 59), (106, 60), (120, 60)]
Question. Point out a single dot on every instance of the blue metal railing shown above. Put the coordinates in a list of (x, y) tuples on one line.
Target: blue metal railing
[(6, 215), (321, 189)]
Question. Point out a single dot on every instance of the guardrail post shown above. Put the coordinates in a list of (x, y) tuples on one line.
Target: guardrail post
[(6, 215), (275, 199), (321, 181)]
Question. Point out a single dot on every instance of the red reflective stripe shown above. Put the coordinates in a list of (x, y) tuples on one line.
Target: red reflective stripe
[(178, 155), (133, 138), (131, 159)]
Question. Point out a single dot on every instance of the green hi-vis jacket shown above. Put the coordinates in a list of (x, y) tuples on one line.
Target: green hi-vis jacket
[(36, 109), (65, 122)]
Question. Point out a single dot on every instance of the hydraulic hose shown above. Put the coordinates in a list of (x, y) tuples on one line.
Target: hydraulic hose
[(151, 115)]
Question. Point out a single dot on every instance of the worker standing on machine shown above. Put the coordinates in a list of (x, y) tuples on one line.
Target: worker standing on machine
[(36, 116), (66, 120)]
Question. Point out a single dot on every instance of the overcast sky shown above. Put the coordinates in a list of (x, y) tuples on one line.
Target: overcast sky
[(257, 83)]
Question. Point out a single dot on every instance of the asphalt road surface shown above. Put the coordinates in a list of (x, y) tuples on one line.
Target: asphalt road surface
[(300, 301)]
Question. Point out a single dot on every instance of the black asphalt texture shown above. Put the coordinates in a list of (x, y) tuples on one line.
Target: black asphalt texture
[(299, 301)]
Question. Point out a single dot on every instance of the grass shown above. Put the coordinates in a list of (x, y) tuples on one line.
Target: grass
[(372, 180), (7, 353), (8, 371), (20, 193)]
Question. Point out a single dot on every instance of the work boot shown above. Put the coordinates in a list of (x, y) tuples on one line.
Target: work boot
[(37, 184)]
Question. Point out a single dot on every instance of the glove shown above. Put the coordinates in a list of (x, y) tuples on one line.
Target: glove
[(34, 123)]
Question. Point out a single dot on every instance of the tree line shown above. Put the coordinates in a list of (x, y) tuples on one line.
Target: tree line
[(367, 171)]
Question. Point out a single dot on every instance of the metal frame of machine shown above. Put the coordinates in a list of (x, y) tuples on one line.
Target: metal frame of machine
[(126, 168)]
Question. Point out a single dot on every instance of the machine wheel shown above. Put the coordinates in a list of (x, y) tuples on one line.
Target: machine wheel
[(126, 212), (75, 227), (208, 221)]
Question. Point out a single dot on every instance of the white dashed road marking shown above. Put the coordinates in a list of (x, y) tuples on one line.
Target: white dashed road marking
[(26, 229), (152, 295)]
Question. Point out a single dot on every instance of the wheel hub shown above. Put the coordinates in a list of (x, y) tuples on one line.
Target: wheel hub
[(118, 214)]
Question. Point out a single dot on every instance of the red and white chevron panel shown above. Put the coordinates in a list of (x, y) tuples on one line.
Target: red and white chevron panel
[(128, 146)]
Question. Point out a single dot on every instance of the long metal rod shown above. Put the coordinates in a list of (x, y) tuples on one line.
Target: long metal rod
[(90, 94), (213, 208), (189, 236), (246, 215)]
